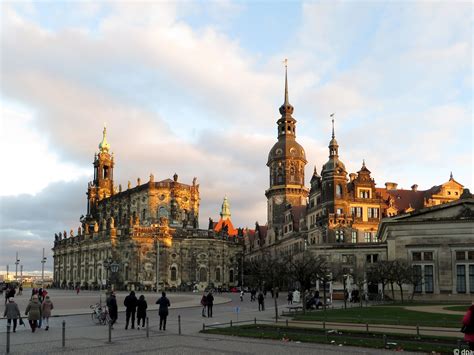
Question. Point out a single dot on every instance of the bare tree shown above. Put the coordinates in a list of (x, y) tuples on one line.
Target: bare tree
[(304, 268)]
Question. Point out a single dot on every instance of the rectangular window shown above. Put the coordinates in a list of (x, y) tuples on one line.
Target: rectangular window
[(470, 255), (339, 211), (416, 256), (429, 278), (461, 278), (460, 255), (359, 211), (375, 258), (417, 273), (376, 213), (428, 256), (353, 211), (471, 278), (367, 237), (369, 212), (374, 237), (354, 236)]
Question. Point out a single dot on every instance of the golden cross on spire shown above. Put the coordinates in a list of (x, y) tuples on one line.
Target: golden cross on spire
[(286, 62)]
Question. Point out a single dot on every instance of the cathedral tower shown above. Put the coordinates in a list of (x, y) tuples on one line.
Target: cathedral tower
[(286, 163), (103, 184)]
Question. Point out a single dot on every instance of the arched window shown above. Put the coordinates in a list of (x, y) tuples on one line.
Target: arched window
[(338, 190), (218, 275), (162, 212), (231, 275), (202, 274), (173, 273)]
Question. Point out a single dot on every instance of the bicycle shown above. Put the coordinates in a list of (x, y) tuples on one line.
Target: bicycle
[(100, 314)]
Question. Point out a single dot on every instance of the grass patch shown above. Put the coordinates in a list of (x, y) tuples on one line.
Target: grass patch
[(458, 308), (383, 315), (348, 338)]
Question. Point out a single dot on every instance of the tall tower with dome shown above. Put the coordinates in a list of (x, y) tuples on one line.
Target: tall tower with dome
[(286, 163)]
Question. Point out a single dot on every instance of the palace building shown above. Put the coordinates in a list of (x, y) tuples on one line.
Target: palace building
[(145, 230), (338, 218)]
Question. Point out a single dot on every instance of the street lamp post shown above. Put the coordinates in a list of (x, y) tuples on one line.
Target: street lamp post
[(157, 242), (17, 261), (43, 260), (21, 274)]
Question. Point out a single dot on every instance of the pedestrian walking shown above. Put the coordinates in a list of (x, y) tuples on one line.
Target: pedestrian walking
[(78, 288), (290, 297), (209, 303), (141, 311), (12, 313), (261, 301), (112, 307), (164, 303), (242, 296), (468, 327), (33, 311), (204, 304), (130, 304), (20, 290), (7, 295), (46, 308)]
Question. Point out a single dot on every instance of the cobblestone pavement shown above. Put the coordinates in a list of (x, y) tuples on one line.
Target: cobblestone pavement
[(85, 337)]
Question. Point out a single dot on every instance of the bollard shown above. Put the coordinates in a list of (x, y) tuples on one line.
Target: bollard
[(179, 324), (203, 327), (231, 322), (417, 330), (110, 332), (384, 341), (64, 334), (147, 327), (324, 325), (287, 323), (367, 327), (255, 321), (8, 338)]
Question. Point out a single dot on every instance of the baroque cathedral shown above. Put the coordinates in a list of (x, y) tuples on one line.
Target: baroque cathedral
[(145, 236)]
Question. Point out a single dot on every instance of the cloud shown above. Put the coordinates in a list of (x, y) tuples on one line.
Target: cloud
[(180, 92)]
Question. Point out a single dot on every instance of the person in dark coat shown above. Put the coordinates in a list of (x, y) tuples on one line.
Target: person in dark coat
[(141, 311), (12, 312), (261, 301), (130, 304), (209, 303), (204, 304), (164, 303), (112, 307)]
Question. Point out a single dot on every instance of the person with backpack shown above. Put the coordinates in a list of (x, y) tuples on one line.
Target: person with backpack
[(204, 304)]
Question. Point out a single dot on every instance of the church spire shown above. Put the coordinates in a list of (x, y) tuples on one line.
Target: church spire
[(225, 210), (286, 102), (333, 146)]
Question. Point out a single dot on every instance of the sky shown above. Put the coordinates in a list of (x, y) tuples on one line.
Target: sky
[(194, 88)]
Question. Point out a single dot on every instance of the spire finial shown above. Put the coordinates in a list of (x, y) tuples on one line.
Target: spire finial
[(104, 146), (286, 81), (332, 119), (451, 176), (363, 163)]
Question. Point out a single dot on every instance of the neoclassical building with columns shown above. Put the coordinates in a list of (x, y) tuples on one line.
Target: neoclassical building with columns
[(130, 236)]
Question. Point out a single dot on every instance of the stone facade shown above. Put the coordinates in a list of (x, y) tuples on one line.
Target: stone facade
[(439, 242), (127, 227)]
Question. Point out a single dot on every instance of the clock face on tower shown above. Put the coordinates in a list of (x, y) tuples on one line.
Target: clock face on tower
[(278, 200)]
